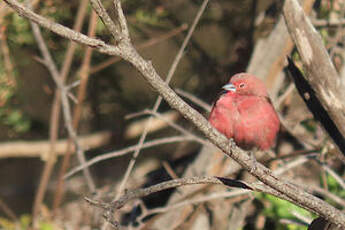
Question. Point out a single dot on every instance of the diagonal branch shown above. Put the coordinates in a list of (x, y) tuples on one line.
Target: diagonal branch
[(171, 72), (320, 72), (282, 188)]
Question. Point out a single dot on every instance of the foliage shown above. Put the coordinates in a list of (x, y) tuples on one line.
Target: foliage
[(24, 224), (153, 18), (19, 25), (278, 209), (334, 188), (9, 114)]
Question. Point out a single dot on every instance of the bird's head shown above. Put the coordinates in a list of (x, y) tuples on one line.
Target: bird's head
[(246, 84)]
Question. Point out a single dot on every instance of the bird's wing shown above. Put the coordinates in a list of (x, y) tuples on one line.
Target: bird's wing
[(259, 121), (223, 115)]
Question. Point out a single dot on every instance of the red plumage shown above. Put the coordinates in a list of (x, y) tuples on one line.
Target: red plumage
[(244, 112)]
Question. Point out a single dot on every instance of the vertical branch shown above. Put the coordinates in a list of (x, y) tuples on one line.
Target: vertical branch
[(107, 21), (84, 76), (60, 93), (49, 165)]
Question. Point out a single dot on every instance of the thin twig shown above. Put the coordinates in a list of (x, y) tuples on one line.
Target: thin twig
[(111, 207), (194, 99), (160, 187), (7, 210), (136, 128), (56, 105), (84, 75), (8, 64), (121, 19), (48, 60), (169, 170), (171, 124), (326, 193), (282, 98), (72, 85), (149, 144), (205, 198), (151, 42), (66, 107), (334, 175), (328, 23), (108, 22), (300, 217), (159, 99)]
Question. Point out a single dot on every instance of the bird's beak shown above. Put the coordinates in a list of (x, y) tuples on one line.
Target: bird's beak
[(229, 87)]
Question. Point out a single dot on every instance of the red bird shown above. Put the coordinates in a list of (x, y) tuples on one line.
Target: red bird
[(244, 112)]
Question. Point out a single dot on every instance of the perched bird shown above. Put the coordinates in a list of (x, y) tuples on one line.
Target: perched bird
[(244, 112)]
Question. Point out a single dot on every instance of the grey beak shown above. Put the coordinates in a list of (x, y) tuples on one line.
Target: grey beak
[(229, 87)]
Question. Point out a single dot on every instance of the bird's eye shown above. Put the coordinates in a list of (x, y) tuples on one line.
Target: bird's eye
[(241, 85)]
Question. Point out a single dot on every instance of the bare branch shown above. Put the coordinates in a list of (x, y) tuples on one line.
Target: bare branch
[(84, 76), (334, 175), (65, 104), (108, 22), (159, 99), (146, 44), (205, 198), (277, 186), (121, 19), (173, 125), (7, 210), (328, 23), (109, 208), (127, 150), (41, 149), (136, 128), (194, 99), (320, 72)]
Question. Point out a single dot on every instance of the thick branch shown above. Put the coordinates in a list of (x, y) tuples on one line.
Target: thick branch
[(319, 69), (283, 188)]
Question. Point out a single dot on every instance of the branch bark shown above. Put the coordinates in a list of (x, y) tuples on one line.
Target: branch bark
[(319, 70), (125, 49), (42, 148)]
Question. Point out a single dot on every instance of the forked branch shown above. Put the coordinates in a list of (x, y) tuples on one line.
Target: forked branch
[(125, 49)]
